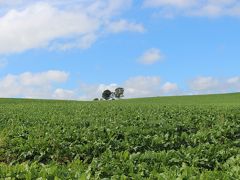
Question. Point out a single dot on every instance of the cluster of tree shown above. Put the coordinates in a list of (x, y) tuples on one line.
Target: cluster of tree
[(117, 94)]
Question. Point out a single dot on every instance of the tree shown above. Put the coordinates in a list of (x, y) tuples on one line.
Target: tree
[(119, 92), (95, 99), (107, 94)]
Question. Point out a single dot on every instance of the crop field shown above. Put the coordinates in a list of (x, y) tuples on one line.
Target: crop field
[(191, 137)]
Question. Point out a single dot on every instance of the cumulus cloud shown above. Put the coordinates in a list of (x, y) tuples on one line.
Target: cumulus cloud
[(151, 56), (149, 86), (40, 79), (214, 85), (209, 8), (204, 83), (49, 24), (169, 87), (142, 86), (234, 82), (64, 94), (123, 25), (31, 85), (38, 25)]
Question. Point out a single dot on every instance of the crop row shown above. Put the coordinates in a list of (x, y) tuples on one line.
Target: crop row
[(119, 139)]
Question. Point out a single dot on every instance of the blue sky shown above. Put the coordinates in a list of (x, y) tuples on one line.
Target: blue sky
[(77, 48)]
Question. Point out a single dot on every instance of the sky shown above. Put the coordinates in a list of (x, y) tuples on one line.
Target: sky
[(75, 49)]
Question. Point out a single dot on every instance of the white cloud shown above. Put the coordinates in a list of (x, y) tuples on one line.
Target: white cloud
[(169, 87), (234, 82), (175, 3), (204, 83), (49, 24), (84, 42), (151, 56), (149, 86), (64, 94), (123, 25), (44, 78), (215, 85), (142, 86), (39, 24), (31, 85), (208, 8)]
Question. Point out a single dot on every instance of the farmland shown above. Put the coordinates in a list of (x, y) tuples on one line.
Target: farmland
[(188, 137)]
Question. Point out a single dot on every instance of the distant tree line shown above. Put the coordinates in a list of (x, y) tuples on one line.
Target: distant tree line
[(109, 95)]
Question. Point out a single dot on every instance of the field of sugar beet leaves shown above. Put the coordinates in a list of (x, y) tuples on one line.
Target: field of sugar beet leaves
[(191, 137)]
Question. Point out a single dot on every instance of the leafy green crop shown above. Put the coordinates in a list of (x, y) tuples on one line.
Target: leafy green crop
[(155, 138)]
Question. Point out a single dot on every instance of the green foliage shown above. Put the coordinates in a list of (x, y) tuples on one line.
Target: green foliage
[(106, 94), (127, 139), (119, 92)]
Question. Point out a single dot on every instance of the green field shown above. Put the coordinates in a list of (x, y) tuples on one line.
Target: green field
[(191, 137)]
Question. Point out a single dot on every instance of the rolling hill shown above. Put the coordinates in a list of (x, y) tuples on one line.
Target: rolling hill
[(185, 137)]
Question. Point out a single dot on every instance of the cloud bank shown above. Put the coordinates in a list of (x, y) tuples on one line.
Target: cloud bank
[(47, 85), (32, 85), (138, 86), (208, 84)]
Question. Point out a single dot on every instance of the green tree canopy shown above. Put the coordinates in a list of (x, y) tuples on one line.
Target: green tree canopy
[(119, 92), (107, 94)]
